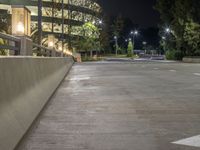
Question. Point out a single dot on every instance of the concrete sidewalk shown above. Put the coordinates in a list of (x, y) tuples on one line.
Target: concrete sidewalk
[(108, 106)]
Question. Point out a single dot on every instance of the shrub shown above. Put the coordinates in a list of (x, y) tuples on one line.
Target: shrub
[(174, 55), (170, 55), (178, 55), (130, 49)]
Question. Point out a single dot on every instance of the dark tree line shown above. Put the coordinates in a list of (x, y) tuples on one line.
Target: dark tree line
[(183, 18)]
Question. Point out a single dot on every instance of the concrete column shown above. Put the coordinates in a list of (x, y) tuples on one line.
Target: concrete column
[(26, 46), (11, 52), (53, 53)]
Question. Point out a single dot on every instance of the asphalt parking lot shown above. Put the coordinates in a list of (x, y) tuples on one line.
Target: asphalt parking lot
[(122, 106)]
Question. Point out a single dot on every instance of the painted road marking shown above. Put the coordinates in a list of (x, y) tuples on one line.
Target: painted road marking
[(155, 68), (172, 70), (192, 141), (79, 78), (196, 74)]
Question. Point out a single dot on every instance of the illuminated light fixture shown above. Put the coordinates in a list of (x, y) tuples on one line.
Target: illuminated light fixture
[(132, 32), (136, 32), (20, 28), (51, 44), (67, 52), (51, 41), (60, 48), (167, 30), (144, 42), (21, 20)]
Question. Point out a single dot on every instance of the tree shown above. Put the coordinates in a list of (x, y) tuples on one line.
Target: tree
[(90, 39), (183, 16), (117, 26), (192, 37), (130, 49), (104, 35)]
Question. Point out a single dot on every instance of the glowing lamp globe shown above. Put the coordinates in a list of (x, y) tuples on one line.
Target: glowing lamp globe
[(21, 20), (51, 41)]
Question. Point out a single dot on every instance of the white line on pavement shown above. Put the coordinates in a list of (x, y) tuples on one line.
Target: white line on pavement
[(192, 141), (196, 74), (79, 78), (172, 70)]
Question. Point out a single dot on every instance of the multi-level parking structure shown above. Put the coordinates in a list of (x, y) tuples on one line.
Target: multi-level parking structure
[(62, 18)]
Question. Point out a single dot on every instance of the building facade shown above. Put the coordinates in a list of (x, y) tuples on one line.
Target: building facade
[(61, 18)]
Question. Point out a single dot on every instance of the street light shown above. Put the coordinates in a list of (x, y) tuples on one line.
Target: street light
[(164, 41), (144, 43), (116, 44), (136, 32), (133, 34), (168, 30), (100, 21)]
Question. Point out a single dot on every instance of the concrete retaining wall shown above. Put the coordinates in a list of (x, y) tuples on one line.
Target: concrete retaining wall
[(26, 84), (191, 60)]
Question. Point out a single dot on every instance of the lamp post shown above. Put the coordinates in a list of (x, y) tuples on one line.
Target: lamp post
[(144, 43), (133, 34), (21, 21), (51, 41), (51, 44), (116, 44), (21, 27), (164, 42)]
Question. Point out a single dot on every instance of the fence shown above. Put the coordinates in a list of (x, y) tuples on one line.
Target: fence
[(24, 46), (10, 43)]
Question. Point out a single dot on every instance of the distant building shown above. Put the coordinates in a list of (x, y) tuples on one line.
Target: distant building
[(75, 12)]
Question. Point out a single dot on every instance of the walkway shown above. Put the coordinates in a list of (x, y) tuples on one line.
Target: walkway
[(121, 106)]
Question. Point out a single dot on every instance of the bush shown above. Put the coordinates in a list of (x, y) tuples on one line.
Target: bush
[(129, 55), (130, 49), (91, 59), (179, 55), (197, 53), (174, 55), (170, 55)]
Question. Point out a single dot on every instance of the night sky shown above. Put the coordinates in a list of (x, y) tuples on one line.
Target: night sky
[(140, 12)]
